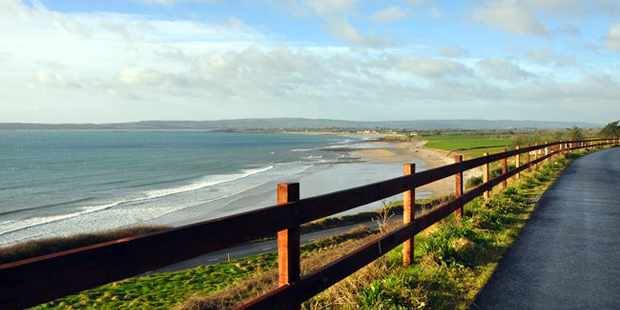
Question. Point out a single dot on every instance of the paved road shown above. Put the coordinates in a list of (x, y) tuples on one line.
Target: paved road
[(568, 253)]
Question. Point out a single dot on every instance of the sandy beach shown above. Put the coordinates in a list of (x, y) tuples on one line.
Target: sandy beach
[(394, 152)]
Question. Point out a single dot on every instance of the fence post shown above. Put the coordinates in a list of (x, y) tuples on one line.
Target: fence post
[(527, 159), (288, 240), (485, 173), (536, 155), (459, 186), (504, 170), (518, 162), (408, 217)]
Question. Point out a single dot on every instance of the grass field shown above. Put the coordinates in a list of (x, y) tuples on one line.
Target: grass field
[(454, 259), (165, 290), (469, 145)]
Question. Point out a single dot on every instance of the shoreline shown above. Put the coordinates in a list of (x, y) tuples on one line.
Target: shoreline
[(401, 152), (374, 161)]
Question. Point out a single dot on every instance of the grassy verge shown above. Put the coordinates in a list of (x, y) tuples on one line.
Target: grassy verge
[(454, 259), (164, 290), (393, 208), (161, 291)]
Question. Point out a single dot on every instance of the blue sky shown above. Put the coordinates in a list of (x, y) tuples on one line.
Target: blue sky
[(116, 61)]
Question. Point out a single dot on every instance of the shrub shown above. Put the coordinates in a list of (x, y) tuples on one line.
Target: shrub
[(40, 247), (473, 182)]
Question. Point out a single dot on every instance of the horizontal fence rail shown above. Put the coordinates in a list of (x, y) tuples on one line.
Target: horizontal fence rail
[(40, 279)]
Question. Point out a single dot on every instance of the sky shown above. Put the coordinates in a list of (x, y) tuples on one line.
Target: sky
[(75, 61)]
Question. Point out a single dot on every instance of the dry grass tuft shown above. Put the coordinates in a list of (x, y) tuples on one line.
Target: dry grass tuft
[(40, 247), (263, 282)]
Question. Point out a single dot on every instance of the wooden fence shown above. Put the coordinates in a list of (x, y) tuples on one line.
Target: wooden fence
[(37, 280)]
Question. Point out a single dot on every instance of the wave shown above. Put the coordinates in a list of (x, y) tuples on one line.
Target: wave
[(12, 226), (46, 206), (215, 180), (37, 221)]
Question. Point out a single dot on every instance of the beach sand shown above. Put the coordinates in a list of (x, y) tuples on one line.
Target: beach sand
[(381, 160), (405, 152)]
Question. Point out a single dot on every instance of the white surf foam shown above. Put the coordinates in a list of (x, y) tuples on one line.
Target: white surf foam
[(13, 226)]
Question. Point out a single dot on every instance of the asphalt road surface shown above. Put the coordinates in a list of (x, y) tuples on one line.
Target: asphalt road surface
[(568, 253)]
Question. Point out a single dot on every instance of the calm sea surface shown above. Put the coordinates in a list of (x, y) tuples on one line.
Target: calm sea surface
[(59, 180)]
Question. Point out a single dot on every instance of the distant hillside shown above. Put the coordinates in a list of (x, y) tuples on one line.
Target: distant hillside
[(303, 123)]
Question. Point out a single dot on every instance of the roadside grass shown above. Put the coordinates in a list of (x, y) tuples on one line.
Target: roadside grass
[(393, 208), (453, 261), (164, 290)]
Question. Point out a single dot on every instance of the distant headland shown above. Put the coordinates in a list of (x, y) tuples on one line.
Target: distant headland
[(303, 123)]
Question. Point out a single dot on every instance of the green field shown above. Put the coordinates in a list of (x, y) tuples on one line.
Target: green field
[(469, 145)]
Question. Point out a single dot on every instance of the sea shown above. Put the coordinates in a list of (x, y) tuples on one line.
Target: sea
[(64, 182)]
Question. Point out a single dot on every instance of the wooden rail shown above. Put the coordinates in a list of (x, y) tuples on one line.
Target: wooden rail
[(37, 280)]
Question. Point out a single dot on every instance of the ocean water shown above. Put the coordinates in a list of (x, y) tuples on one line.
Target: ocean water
[(55, 183)]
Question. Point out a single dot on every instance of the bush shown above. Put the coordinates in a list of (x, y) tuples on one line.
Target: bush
[(473, 182), (40, 247)]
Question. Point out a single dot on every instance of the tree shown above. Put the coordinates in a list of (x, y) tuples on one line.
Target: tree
[(557, 135), (575, 134), (611, 130)]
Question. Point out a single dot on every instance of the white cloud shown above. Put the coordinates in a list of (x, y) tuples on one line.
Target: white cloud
[(613, 37), (123, 67), (431, 67), (451, 51), (435, 13), (342, 29), (577, 8), (511, 16), (503, 70), (170, 2), (390, 14), (327, 7)]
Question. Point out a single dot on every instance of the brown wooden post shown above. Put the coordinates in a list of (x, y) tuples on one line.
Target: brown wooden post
[(518, 163), (536, 155), (288, 240), (459, 186), (505, 169), (527, 160), (408, 217), (485, 173)]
